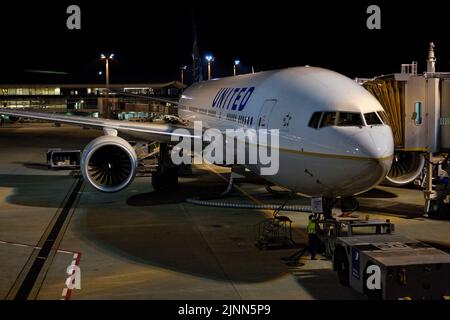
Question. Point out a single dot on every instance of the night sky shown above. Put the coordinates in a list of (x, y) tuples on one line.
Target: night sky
[(151, 39)]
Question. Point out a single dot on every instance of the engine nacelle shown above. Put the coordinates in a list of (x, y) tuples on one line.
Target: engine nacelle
[(406, 167), (109, 163)]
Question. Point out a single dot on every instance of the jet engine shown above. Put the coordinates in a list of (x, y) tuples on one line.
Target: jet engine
[(109, 163), (406, 167)]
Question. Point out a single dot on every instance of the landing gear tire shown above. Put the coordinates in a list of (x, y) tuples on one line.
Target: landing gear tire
[(349, 204), (156, 181), (172, 177), (169, 180), (342, 267), (166, 176), (327, 206)]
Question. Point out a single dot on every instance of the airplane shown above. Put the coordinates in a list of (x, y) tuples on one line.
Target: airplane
[(334, 141)]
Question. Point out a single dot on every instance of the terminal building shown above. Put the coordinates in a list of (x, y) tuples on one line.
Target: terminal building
[(92, 98)]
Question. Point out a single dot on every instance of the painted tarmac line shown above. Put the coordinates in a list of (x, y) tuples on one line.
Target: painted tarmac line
[(66, 293), (37, 248)]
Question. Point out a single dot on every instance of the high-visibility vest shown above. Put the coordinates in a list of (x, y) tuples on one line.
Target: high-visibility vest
[(311, 228)]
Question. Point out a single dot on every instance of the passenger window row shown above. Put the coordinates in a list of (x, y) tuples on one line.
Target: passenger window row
[(240, 119), (247, 120), (344, 119)]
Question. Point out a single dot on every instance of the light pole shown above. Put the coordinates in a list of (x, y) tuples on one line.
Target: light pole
[(236, 63), (209, 58), (107, 58), (182, 68)]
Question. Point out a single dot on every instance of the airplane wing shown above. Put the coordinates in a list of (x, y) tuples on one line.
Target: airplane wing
[(147, 131)]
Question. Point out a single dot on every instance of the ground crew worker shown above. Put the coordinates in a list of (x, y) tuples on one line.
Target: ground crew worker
[(312, 242), (312, 236)]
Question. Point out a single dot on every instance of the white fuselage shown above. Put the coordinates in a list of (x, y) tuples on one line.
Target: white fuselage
[(338, 159)]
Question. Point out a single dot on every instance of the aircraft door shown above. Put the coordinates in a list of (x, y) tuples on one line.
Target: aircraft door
[(264, 114)]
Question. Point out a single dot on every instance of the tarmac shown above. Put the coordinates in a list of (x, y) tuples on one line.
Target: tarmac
[(143, 244)]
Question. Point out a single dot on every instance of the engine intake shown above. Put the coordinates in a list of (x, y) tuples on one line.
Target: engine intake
[(406, 167), (109, 163)]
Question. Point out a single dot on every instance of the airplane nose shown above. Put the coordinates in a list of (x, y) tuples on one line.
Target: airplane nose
[(366, 157), (377, 145), (383, 146), (373, 144)]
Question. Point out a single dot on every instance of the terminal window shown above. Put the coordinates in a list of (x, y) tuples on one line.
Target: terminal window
[(417, 115)]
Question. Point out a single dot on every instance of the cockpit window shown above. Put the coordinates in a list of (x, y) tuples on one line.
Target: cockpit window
[(347, 119), (314, 121), (328, 119), (342, 119), (383, 117), (372, 119)]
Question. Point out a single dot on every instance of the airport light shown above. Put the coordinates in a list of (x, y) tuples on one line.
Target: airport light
[(236, 63), (209, 58), (107, 58), (182, 68)]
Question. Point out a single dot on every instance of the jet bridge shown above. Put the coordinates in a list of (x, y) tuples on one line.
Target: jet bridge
[(417, 107)]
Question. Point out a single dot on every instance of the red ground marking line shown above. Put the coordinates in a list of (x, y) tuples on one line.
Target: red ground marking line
[(66, 293)]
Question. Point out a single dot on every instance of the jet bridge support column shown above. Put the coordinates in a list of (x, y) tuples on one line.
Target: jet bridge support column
[(428, 192), (437, 196)]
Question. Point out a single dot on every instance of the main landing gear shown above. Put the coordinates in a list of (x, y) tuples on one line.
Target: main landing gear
[(166, 174)]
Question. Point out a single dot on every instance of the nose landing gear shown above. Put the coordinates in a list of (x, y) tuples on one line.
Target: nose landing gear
[(348, 206)]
